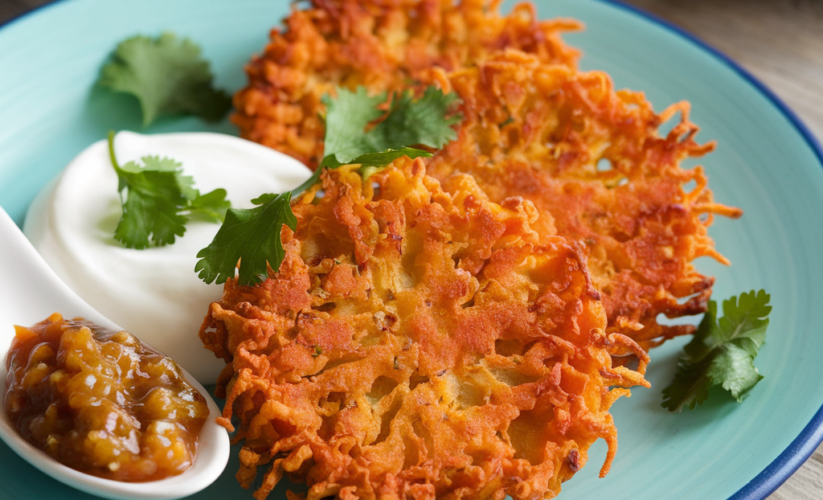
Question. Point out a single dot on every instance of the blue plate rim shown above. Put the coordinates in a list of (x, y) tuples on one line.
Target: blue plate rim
[(802, 447)]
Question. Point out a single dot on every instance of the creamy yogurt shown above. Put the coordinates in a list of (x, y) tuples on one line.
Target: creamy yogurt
[(153, 293)]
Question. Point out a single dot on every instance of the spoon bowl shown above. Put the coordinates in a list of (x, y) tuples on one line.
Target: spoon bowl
[(30, 291)]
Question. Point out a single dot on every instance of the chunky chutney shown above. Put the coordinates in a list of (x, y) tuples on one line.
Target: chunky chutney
[(102, 402)]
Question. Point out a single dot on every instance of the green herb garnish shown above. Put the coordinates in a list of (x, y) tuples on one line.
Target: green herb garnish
[(252, 236), (166, 76), (159, 200), (722, 352), (408, 122)]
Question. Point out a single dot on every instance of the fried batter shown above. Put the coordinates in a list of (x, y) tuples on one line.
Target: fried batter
[(419, 341), (382, 44)]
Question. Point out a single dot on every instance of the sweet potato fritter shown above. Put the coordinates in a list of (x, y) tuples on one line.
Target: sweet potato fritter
[(419, 341), (382, 44), (591, 160), (589, 157)]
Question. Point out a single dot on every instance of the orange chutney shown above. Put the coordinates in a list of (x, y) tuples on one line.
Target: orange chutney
[(102, 402)]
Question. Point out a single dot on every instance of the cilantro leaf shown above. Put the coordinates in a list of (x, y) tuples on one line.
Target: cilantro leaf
[(153, 200), (252, 236), (407, 123), (371, 162), (383, 158), (157, 200), (420, 121), (151, 210), (158, 164), (212, 206), (347, 116), (186, 183), (166, 76), (261, 225), (722, 352)]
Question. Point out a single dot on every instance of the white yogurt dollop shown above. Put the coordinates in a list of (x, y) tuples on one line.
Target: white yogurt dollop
[(153, 293)]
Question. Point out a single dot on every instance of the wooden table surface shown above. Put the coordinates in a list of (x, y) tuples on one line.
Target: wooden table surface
[(781, 43)]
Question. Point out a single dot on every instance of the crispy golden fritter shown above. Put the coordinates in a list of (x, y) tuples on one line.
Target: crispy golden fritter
[(589, 157), (418, 341), (382, 44), (591, 160)]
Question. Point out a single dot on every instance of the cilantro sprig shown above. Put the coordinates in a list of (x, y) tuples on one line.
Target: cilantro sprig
[(722, 352), (251, 234), (357, 132), (157, 201), (408, 122), (167, 76)]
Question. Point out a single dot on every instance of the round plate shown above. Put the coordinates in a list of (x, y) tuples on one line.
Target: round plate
[(765, 163)]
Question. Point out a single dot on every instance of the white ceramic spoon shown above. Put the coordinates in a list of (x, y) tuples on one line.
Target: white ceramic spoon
[(29, 292)]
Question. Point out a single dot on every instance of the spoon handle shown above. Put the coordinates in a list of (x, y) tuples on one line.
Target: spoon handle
[(29, 289)]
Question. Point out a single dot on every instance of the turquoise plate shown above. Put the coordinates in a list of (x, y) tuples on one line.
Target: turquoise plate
[(766, 163)]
